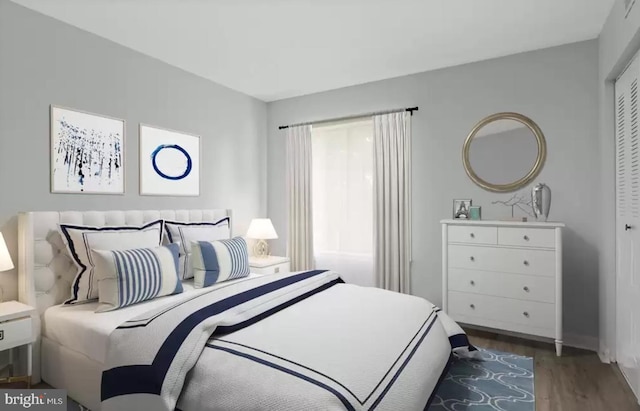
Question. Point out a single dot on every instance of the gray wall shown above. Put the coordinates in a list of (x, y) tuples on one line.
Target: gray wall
[(618, 42), (44, 61), (556, 87)]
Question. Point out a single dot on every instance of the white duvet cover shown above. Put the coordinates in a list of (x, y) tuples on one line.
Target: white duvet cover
[(301, 341)]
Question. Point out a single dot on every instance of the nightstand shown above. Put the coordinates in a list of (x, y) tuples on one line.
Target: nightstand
[(269, 265), (16, 329)]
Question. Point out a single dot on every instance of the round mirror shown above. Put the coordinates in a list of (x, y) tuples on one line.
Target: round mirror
[(504, 152)]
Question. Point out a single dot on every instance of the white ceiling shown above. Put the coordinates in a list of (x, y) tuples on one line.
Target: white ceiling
[(274, 49)]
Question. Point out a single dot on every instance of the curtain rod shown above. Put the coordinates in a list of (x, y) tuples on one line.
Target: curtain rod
[(410, 110)]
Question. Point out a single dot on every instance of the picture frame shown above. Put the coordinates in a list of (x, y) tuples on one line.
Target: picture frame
[(461, 209), (87, 152), (169, 162)]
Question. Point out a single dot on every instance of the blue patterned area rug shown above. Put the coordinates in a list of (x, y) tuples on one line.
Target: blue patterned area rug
[(500, 381)]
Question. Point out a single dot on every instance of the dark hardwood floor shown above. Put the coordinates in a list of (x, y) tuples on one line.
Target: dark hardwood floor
[(576, 381)]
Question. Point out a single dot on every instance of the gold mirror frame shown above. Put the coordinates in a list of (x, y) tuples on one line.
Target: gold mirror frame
[(535, 170)]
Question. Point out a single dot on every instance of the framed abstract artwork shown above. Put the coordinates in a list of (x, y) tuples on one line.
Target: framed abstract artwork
[(87, 152), (169, 162)]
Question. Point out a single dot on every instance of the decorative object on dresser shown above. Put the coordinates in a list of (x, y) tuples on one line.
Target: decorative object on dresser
[(504, 152), (541, 201), (87, 152), (461, 209), (6, 263), (519, 202), (261, 229), (269, 265), (475, 213), (504, 275), (16, 329), (169, 162)]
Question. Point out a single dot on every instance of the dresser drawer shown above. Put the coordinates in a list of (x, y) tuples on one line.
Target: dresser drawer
[(15, 332), (527, 237), (519, 287), (506, 260), (529, 313), (473, 235)]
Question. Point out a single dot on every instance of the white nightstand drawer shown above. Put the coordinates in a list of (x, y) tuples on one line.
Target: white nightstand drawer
[(272, 269), (269, 265), (14, 333)]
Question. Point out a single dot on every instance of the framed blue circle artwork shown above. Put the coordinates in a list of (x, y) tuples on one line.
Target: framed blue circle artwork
[(162, 169)]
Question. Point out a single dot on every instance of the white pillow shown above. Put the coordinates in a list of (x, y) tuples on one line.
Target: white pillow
[(186, 233), (80, 240), (128, 277)]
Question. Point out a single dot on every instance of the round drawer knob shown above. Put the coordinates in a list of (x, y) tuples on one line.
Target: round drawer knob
[(526, 263), (472, 235), (526, 288), (472, 258), (526, 314), (473, 307), (526, 238), (472, 282)]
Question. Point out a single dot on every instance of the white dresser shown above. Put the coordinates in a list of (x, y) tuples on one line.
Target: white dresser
[(504, 275)]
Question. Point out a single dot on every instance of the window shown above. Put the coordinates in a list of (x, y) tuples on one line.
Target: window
[(343, 199)]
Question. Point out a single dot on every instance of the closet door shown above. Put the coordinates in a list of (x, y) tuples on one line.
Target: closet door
[(628, 224)]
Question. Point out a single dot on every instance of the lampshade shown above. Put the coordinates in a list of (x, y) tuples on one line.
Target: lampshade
[(5, 258), (261, 229)]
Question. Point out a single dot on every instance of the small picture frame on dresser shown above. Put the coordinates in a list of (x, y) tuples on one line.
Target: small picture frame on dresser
[(461, 209)]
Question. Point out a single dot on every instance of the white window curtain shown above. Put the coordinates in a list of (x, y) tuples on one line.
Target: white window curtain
[(299, 186), (343, 199), (392, 200)]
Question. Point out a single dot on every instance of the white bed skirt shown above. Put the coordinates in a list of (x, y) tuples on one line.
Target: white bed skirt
[(67, 369)]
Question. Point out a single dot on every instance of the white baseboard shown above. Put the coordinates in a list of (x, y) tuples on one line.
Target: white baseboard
[(584, 342)]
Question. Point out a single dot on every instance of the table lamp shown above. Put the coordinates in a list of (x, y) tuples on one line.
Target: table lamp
[(5, 259), (261, 229)]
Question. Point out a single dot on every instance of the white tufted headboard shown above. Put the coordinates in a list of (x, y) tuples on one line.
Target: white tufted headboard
[(45, 269)]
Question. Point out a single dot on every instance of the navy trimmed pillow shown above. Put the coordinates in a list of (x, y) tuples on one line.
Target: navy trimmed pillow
[(127, 277), (186, 233), (217, 261), (80, 240)]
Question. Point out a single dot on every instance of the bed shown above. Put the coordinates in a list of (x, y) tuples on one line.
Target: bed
[(293, 341)]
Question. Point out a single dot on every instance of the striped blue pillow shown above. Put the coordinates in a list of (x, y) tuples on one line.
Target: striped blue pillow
[(217, 261), (127, 277), (186, 233)]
